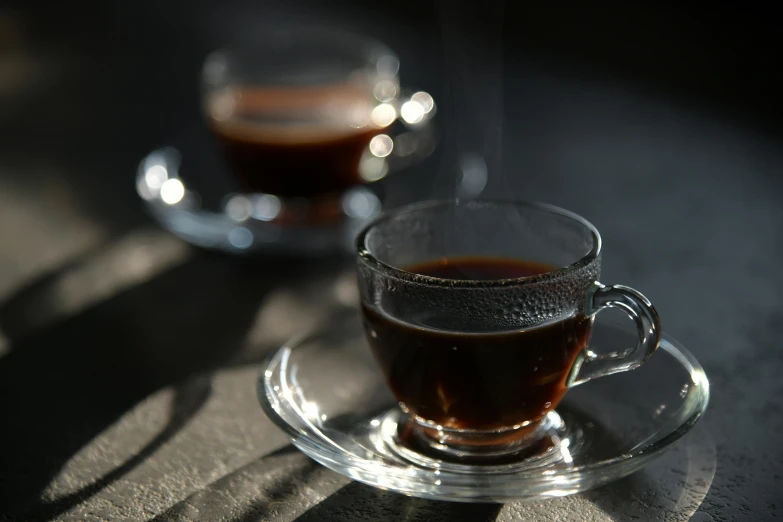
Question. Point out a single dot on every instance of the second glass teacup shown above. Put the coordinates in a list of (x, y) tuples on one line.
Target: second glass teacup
[(304, 121), (304, 115)]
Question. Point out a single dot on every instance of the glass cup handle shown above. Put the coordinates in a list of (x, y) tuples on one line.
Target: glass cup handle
[(590, 365)]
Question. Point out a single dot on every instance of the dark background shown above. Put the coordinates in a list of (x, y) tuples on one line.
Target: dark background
[(122, 77), (661, 124)]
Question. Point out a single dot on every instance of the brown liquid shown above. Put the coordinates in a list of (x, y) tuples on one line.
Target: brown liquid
[(480, 381), (270, 152)]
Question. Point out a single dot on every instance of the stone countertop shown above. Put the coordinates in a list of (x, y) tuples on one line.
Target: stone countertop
[(128, 359)]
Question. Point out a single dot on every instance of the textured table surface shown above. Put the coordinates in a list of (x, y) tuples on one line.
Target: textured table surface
[(128, 359)]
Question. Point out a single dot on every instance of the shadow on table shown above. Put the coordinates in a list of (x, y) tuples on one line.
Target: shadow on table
[(359, 502), (287, 485), (188, 400), (685, 474), (251, 491), (64, 384)]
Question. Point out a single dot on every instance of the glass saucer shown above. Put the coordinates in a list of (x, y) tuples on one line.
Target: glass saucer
[(188, 189), (325, 392)]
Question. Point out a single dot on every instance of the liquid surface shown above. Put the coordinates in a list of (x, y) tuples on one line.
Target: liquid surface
[(482, 381), (480, 268)]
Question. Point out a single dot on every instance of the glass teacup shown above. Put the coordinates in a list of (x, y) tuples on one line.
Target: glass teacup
[(479, 315)]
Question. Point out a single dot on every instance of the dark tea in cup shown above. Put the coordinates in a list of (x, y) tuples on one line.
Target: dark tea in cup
[(294, 142), (481, 380)]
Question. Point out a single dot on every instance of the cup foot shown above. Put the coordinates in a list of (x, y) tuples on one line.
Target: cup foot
[(463, 451)]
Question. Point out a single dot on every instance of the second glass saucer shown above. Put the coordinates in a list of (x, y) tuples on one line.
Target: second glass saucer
[(325, 392), (193, 201)]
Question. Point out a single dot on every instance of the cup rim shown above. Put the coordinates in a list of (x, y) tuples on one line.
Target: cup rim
[(371, 260), (368, 48)]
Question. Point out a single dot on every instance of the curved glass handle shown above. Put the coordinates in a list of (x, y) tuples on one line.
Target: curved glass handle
[(590, 365)]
